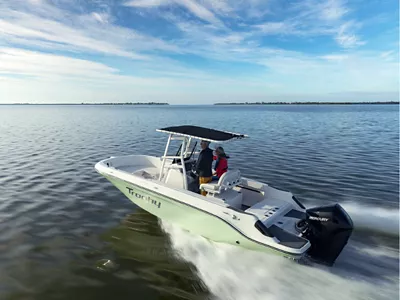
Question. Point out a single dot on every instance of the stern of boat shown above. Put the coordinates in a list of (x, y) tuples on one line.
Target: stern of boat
[(328, 228)]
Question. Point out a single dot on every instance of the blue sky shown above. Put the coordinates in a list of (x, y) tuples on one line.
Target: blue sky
[(198, 52)]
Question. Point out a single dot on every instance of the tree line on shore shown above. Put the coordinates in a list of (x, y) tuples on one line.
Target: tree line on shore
[(305, 103)]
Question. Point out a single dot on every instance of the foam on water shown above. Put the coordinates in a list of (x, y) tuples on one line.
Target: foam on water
[(234, 273), (380, 251), (375, 218)]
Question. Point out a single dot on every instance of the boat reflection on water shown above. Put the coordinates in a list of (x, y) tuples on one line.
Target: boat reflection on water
[(143, 251), (133, 260)]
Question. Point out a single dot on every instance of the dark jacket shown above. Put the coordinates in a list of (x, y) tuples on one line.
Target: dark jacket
[(204, 163)]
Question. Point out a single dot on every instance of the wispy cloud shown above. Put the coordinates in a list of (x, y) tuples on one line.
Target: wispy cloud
[(187, 47), (45, 66), (30, 63), (333, 13), (327, 11), (192, 6), (313, 18), (346, 38), (390, 56), (333, 10), (148, 3), (335, 57), (211, 10), (101, 17), (282, 27), (92, 32)]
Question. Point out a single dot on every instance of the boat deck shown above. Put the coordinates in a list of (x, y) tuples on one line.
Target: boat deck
[(143, 171)]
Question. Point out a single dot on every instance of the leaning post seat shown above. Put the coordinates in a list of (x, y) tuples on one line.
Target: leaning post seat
[(227, 181)]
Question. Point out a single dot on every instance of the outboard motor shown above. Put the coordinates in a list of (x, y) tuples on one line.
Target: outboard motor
[(328, 229)]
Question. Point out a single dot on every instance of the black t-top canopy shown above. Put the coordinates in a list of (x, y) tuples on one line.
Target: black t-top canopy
[(202, 133)]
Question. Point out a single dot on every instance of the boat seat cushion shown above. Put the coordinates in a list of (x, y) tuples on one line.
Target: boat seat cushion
[(228, 180), (287, 238), (231, 197)]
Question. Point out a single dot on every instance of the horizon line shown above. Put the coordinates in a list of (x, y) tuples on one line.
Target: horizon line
[(217, 104)]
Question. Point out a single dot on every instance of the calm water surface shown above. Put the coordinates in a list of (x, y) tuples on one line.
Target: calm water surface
[(60, 221)]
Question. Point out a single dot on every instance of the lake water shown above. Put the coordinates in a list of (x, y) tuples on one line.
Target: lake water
[(60, 220)]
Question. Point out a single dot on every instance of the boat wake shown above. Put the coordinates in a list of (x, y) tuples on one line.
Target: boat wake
[(231, 272), (374, 218)]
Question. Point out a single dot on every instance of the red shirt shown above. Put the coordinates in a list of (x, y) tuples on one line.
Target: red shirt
[(222, 166)]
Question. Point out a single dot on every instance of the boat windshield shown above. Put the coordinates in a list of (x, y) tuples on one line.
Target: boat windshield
[(188, 152)]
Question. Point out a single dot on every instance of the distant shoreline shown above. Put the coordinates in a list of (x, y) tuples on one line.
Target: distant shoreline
[(307, 103), (127, 103), (218, 104)]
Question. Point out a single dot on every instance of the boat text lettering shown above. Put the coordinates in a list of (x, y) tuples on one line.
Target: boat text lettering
[(146, 198), (319, 219)]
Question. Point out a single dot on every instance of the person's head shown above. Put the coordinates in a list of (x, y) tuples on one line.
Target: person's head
[(204, 144), (220, 152)]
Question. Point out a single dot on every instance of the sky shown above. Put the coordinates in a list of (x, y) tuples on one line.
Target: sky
[(198, 52)]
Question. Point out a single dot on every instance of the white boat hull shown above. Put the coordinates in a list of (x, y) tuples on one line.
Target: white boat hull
[(263, 219), (224, 225)]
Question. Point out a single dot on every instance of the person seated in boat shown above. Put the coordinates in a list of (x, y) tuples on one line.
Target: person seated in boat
[(204, 164), (221, 163)]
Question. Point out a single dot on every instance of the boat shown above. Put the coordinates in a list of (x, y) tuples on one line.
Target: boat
[(236, 210)]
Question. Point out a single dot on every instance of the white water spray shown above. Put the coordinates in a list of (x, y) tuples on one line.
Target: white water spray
[(374, 218), (233, 273), (378, 219)]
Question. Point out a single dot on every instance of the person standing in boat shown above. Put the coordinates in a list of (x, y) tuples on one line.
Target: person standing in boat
[(221, 163), (204, 164)]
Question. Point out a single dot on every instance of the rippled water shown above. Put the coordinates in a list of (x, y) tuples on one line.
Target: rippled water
[(67, 233)]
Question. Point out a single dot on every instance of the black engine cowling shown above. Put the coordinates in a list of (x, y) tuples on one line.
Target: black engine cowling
[(328, 228)]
